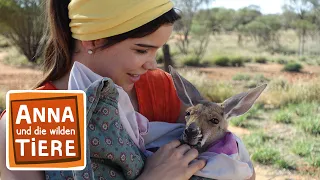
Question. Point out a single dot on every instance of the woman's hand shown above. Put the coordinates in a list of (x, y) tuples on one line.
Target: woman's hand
[(172, 161)]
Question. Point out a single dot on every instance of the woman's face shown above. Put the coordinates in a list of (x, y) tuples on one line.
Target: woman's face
[(126, 61)]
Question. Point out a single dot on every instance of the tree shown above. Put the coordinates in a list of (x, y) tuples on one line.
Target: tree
[(23, 24), (264, 29), (220, 19), (188, 8), (302, 21)]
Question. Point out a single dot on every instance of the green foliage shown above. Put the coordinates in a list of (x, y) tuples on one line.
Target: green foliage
[(4, 43), (211, 89), (292, 67), (261, 60), (222, 61), (256, 139), (237, 61), (191, 60), (23, 24), (241, 77), (314, 160), (310, 124), (264, 29), (302, 148), (260, 78), (240, 121), (283, 164), (266, 155), (283, 117)]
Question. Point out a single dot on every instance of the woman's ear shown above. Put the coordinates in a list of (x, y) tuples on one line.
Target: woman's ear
[(93, 44), (88, 45)]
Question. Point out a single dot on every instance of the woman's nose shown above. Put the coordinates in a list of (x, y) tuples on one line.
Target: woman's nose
[(150, 65)]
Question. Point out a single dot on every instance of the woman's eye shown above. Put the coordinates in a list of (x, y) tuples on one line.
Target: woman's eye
[(214, 121), (142, 51)]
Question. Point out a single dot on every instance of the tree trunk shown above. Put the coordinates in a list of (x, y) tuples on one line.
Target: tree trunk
[(166, 57), (240, 40)]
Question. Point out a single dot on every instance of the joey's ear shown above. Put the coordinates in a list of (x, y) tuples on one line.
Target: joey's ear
[(241, 103), (187, 93)]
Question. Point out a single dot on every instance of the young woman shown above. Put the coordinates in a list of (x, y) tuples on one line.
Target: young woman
[(119, 40)]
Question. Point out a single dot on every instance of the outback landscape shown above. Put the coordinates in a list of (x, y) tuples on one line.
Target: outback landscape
[(224, 52)]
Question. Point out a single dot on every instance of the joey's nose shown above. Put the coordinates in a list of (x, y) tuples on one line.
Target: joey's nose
[(192, 129), (192, 126)]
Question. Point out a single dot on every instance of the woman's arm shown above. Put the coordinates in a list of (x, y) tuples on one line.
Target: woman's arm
[(6, 174)]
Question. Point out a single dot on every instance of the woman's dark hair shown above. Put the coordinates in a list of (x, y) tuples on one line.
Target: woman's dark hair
[(60, 44)]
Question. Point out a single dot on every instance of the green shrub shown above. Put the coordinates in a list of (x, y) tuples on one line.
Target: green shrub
[(261, 60), (282, 61), (241, 77), (310, 124), (237, 61), (266, 156), (314, 160), (222, 61), (191, 60), (292, 67), (4, 43), (260, 78), (239, 121), (304, 109), (283, 117), (302, 148), (283, 164), (211, 89), (256, 139)]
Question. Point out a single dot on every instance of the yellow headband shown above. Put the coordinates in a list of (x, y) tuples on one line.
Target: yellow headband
[(96, 19)]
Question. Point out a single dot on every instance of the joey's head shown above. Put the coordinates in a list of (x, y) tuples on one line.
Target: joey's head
[(207, 122), (204, 124)]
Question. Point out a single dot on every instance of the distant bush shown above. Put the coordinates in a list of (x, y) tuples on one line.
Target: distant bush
[(261, 60), (240, 121), (310, 124), (211, 89), (4, 43), (283, 117), (260, 78), (222, 61), (282, 61), (241, 77), (292, 67), (302, 148), (266, 156), (191, 60), (237, 61)]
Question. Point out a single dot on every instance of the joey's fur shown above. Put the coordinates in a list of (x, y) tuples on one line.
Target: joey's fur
[(206, 121)]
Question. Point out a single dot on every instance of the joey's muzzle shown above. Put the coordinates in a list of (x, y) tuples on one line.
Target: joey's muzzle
[(192, 135)]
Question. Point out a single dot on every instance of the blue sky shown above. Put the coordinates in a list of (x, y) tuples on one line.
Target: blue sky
[(267, 6)]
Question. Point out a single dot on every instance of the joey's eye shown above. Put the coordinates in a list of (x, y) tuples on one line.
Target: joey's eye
[(187, 113), (214, 121), (141, 51)]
